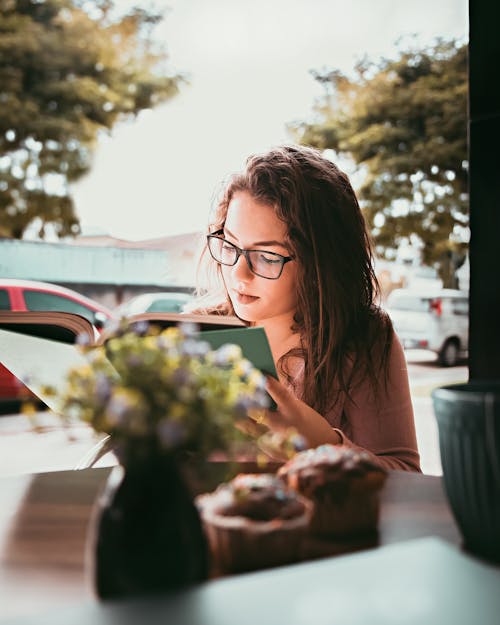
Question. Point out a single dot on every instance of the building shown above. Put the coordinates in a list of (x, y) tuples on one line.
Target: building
[(106, 269)]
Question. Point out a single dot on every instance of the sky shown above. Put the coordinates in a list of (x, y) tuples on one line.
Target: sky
[(248, 63)]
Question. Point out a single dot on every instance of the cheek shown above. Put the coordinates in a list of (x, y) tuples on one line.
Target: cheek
[(286, 291), (290, 280)]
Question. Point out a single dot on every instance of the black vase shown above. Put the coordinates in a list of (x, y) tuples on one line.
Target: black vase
[(147, 536), (468, 418)]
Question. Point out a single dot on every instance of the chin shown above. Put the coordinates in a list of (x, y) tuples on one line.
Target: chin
[(244, 316), (243, 313)]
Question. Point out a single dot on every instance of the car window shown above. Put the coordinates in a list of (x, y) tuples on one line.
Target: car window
[(39, 300), (166, 305), (414, 303), (460, 306), (4, 299)]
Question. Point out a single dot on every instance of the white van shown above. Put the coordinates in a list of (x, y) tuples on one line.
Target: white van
[(435, 320)]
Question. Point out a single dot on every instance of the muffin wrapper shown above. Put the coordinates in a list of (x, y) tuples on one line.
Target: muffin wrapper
[(354, 514), (238, 544)]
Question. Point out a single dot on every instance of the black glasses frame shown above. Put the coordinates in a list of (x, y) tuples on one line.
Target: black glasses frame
[(245, 253)]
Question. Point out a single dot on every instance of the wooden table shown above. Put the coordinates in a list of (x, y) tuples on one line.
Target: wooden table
[(44, 519)]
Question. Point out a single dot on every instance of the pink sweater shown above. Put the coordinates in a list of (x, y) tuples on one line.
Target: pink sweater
[(384, 426)]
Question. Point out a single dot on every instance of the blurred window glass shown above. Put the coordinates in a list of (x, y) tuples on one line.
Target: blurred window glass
[(4, 300), (166, 305), (38, 300), (460, 306)]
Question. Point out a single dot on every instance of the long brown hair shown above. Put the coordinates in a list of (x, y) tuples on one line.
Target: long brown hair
[(345, 337)]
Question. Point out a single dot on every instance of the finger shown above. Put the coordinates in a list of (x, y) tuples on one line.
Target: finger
[(281, 395), (276, 421), (264, 418), (278, 391), (257, 414), (271, 450), (247, 426)]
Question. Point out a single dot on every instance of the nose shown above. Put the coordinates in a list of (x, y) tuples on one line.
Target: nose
[(241, 270)]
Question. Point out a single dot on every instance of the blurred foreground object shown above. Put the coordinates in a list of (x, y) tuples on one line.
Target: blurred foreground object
[(468, 417)]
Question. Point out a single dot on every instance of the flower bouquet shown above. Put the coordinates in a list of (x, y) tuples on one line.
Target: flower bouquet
[(155, 391), (163, 397)]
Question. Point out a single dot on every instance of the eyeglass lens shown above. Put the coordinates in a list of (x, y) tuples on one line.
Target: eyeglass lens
[(265, 264)]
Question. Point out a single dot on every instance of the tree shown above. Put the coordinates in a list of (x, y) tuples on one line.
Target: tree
[(69, 70), (404, 123)]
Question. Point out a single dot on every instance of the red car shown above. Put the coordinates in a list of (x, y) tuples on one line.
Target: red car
[(19, 295)]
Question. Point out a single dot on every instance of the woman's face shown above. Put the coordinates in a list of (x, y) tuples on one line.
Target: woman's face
[(253, 225)]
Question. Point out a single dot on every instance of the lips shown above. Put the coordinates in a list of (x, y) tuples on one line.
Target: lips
[(244, 298)]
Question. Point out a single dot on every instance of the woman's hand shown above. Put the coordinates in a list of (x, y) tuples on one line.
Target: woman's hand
[(294, 413)]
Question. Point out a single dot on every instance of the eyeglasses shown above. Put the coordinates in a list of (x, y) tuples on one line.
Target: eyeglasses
[(264, 264)]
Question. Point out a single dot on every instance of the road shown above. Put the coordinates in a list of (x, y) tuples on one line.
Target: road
[(52, 449), (425, 374)]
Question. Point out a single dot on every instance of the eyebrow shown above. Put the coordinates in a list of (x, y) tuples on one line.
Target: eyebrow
[(273, 242)]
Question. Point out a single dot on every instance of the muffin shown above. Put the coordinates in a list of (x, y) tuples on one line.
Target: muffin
[(343, 484), (254, 521)]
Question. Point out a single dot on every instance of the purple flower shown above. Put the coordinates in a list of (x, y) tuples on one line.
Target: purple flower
[(164, 343), (171, 433), (83, 340), (298, 442), (124, 405), (117, 409), (194, 348), (246, 367), (189, 329), (181, 376), (227, 354), (261, 384), (260, 399), (241, 406), (140, 328), (134, 360), (102, 388)]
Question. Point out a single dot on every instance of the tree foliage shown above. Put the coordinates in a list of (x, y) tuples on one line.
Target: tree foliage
[(404, 123), (69, 70)]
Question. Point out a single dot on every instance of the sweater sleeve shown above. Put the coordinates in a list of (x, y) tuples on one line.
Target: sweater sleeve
[(383, 423)]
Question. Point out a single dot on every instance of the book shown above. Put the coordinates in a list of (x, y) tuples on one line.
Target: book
[(61, 326), (56, 325), (204, 322), (219, 330), (39, 347)]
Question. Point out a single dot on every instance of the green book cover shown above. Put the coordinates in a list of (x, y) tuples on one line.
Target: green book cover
[(219, 330), (253, 342)]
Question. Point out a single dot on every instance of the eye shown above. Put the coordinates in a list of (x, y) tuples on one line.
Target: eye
[(269, 259)]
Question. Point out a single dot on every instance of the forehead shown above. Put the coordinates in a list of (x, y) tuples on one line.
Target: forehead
[(250, 220)]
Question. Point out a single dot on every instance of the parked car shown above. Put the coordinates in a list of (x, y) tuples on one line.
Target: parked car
[(22, 295), (436, 320), (166, 301)]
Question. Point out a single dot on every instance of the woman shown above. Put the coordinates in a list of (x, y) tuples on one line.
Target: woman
[(293, 255)]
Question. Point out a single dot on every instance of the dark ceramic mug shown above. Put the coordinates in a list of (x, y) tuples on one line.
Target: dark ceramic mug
[(468, 418)]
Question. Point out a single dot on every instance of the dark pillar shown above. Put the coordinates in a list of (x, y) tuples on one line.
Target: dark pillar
[(484, 162)]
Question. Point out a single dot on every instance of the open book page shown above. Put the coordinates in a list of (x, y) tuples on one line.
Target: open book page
[(204, 322), (57, 325), (39, 362)]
